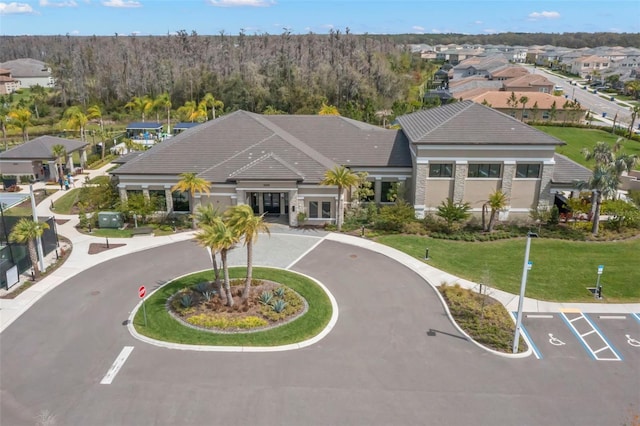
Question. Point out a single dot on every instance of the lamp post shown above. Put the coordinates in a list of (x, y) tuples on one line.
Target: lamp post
[(523, 285)]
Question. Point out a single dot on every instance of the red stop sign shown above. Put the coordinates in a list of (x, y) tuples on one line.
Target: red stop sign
[(142, 291)]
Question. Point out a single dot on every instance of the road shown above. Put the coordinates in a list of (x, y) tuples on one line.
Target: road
[(594, 102), (378, 366)]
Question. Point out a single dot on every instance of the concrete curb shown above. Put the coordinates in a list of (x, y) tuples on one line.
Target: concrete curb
[(204, 348)]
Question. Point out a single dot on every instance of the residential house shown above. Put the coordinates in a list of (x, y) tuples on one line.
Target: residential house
[(30, 72), (276, 163), (529, 83), (8, 84), (539, 107), (589, 66)]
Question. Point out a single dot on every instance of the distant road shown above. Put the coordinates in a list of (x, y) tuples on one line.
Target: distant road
[(595, 103)]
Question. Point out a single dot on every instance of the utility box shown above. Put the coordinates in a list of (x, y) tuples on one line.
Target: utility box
[(110, 220)]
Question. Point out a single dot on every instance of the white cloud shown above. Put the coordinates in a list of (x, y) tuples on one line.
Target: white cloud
[(436, 31), (75, 32), (478, 22), (122, 3), (14, 8), (534, 16), (241, 3), (490, 31), (418, 29), (63, 3)]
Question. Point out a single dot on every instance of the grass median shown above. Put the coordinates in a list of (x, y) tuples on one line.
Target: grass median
[(562, 270), (162, 326)]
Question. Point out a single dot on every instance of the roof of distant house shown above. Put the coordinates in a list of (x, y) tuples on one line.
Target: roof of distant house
[(26, 67), (499, 99), (568, 171)]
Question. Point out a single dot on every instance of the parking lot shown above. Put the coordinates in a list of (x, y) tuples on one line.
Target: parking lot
[(574, 335)]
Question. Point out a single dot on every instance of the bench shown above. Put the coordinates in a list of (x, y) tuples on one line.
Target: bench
[(142, 230)]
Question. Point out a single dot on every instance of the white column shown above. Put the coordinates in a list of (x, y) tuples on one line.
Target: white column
[(122, 189), (168, 196), (70, 163)]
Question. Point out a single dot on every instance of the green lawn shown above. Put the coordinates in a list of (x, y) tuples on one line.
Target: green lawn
[(161, 326), (64, 204), (577, 139), (562, 270)]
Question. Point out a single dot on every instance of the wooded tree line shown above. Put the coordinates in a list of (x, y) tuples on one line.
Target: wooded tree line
[(570, 40), (290, 73)]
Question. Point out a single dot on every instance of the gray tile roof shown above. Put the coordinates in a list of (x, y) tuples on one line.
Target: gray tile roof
[(469, 123), (41, 148), (244, 145), (567, 171), (26, 67)]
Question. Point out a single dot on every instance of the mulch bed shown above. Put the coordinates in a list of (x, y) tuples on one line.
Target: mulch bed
[(95, 248)]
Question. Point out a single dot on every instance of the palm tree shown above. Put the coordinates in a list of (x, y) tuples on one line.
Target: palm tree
[(191, 183), (219, 237), (164, 101), (142, 105), (603, 183), (76, 119), (27, 231), (94, 112), (21, 119), (634, 114), (633, 87), (328, 110), (210, 101), (207, 215), (4, 114), (246, 225), (59, 152), (188, 112), (341, 177), (497, 201), (523, 100)]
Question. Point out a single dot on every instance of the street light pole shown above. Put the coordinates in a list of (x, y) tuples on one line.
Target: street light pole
[(523, 286)]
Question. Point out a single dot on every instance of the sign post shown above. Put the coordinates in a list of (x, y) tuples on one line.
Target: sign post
[(141, 293), (598, 293)]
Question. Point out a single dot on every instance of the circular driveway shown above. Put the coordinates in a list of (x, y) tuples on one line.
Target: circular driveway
[(378, 366)]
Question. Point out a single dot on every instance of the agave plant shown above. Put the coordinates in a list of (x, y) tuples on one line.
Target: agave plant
[(265, 297), (279, 305)]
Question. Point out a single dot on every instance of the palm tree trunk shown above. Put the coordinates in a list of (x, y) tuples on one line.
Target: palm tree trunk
[(227, 286), (596, 215), (217, 285), (339, 210), (492, 220), (247, 283), (33, 256)]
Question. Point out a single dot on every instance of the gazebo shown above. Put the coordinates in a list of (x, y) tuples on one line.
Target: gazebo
[(36, 159)]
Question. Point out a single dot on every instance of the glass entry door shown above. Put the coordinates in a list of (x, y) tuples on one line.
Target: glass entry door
[(271, 202)]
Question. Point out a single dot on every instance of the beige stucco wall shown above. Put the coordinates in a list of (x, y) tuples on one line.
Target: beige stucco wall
[(438, 190), (524, 193), (476, 191), (519, 153), (219, 202), (16, 168)]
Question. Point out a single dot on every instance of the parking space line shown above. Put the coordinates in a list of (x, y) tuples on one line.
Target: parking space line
[(590, 351), (636, 317), (539, 316), (612, 317), (117, 365)]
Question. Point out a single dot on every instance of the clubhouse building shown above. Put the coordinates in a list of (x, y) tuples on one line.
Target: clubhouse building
[(276, 163)]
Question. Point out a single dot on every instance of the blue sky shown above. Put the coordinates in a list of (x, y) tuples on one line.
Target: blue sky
[(160, 17)]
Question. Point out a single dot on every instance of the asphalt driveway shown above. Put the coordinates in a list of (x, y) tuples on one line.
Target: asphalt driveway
[(378, 366)]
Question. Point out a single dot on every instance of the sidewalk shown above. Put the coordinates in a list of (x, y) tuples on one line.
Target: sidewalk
[(80, 260)]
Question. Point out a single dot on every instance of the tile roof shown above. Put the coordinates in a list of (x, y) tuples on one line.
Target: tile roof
[(568, 171), (469, 123), (26, 67), (244, 145), (498, 99), (41, 148)]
